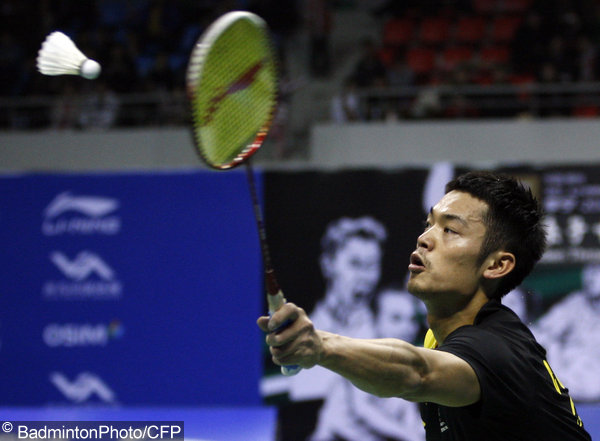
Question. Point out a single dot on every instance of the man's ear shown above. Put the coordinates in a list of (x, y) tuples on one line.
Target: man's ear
[(499, 264)]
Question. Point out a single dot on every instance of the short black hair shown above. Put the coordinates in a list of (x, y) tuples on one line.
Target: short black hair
[(514, 222)]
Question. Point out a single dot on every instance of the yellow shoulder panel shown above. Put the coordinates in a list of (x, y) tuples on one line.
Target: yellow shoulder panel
[(430, 341)]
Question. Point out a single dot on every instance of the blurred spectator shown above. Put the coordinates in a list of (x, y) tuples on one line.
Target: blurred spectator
[(378, 108), (99, 109), (427, 104), (143, 46), (319, 21), (548, 73), (281, 16), (65, 111), (545, 42), (551, 102), (459, 106), (561, 59), (369, 69), (118, 69), (587, 59), (399, 74), (160, 76), (345, 104), (11, 58), (529, 43), (279, 134), (172, 108)]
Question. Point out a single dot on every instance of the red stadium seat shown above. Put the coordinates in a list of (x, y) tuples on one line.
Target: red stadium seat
[(470, 30), (434, 30), (453, 56), (420, 60), (398, 32), (504, 28), (586, 111), (387, 55), (495, 54)]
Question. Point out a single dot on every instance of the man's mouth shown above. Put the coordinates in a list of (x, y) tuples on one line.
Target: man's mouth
[(417, 263)]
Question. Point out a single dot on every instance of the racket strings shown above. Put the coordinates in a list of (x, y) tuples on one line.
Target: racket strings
[(233, 92)]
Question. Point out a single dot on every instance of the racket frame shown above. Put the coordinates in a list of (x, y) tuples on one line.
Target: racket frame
[(194, 78), (275, 297)]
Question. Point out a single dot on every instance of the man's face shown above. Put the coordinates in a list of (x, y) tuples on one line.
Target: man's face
[(445, 261), (354, 270)]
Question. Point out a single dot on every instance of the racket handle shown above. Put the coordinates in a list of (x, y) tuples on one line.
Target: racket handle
[(291, 370), (275, 302)]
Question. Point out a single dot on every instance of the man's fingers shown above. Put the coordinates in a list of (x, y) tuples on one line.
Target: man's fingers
[(282, 336), (282, 355), (286, 314), (263, 323)]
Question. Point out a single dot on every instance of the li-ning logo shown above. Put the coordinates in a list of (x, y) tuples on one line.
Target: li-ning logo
[(87, 275), (83, 388), (88, 205), (84, 264), (243, 82), (70, 214)]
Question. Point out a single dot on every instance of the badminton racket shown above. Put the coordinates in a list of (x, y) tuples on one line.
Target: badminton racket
[(231, 84)]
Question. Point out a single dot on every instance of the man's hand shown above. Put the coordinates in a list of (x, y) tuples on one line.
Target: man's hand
[(291, 337)]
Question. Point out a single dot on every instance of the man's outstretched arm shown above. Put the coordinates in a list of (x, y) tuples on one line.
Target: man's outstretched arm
[(382, 367)]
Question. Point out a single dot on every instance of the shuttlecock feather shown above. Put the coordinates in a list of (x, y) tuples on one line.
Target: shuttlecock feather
[(59, 56)]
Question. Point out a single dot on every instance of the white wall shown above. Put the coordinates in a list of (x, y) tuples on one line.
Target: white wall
[(477, 143), (97, 150), (358, 145)]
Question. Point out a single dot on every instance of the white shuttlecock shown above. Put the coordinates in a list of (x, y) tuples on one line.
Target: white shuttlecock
[(59, 56)]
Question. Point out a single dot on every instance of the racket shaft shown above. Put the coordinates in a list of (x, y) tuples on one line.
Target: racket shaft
[(272, 286), (275, 298)]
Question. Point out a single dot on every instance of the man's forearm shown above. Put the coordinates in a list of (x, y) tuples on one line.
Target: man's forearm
[(382, 367)]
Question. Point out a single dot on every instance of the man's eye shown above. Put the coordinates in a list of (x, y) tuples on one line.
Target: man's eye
[(426, 225), (449, 230)]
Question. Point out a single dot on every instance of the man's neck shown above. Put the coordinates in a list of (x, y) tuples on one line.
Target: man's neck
[(443, 321)]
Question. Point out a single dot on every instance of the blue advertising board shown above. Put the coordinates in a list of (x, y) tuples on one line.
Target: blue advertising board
[(135, 295), (129, 289)]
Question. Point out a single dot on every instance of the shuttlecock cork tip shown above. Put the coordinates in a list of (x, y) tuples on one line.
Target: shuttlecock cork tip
[(90, 69)]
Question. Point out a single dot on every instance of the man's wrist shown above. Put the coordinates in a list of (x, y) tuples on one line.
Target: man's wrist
[(327, 351)]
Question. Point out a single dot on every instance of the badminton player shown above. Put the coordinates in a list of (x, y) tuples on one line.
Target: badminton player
[(481, 375)]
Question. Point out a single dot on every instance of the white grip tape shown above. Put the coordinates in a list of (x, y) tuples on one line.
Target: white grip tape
[(275, 302), (291, 370)]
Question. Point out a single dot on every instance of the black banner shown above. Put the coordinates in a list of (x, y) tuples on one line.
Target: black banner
[(312, 220)]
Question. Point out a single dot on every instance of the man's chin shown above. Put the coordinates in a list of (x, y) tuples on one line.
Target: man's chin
[(415, 289), (411, 285)]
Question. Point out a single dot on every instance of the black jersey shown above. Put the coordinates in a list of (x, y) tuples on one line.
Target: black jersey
[(521, 398)]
